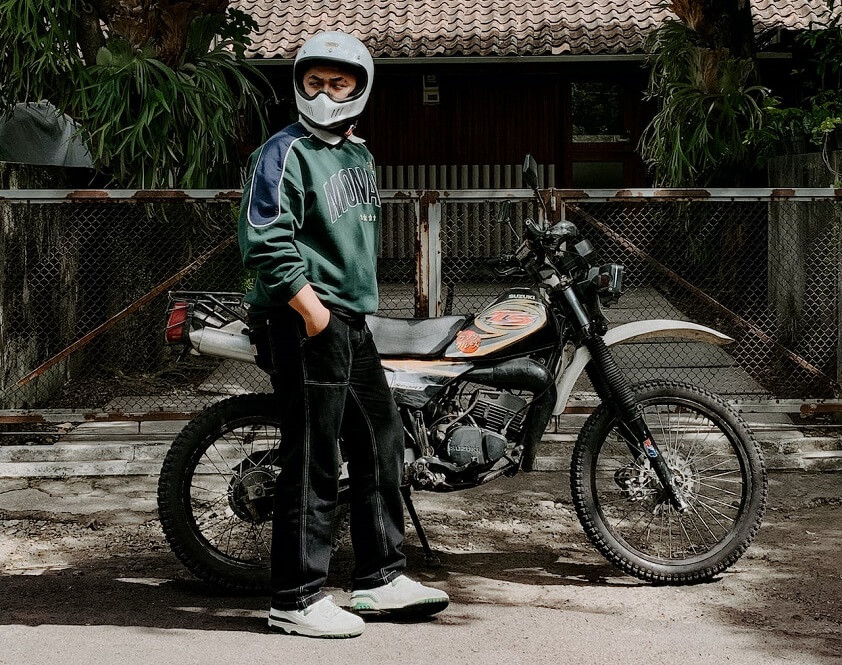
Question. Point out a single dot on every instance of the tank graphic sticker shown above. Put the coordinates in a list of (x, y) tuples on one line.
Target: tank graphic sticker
[(467, 341), (512, 318), (509, 318)]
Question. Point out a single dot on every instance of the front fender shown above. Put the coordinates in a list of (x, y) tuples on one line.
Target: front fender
[(632, 332)]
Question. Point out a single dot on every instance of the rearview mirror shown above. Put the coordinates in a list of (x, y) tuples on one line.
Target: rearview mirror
[(530, 171), (506, 212)]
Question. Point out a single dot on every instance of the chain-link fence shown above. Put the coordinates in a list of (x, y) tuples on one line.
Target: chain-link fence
[(84, 280), (760, 265)]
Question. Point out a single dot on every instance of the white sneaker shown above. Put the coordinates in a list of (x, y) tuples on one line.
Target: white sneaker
[(321, 619), (401, 595)]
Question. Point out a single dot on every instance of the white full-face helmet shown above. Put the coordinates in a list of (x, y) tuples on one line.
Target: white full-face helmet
[(344, 52)]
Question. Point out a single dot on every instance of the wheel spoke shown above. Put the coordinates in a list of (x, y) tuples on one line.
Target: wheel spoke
[(720, 489), (665, 433), (714, 468), (706, 509), (219, 472), (714, 510), (262, 541), (686, 535), (717, 479), (706, 454)]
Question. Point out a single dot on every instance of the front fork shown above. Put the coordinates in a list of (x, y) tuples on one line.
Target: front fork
[(611, 384)]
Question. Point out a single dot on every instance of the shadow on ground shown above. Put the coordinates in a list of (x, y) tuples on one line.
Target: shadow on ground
[(153, 590)]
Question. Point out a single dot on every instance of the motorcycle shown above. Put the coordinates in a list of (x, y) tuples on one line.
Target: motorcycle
[(667, 480)]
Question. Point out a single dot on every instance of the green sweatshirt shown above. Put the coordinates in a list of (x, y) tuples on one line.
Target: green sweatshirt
[(311, 214)]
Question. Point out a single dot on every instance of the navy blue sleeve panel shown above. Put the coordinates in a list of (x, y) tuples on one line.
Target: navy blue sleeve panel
[(270, 166), (272, 210)]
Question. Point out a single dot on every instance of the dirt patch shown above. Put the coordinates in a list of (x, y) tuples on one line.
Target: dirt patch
[(94, 392), (512, 543)]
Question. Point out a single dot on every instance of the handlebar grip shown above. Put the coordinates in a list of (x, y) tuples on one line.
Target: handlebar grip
[(505, 265), (506, 259)]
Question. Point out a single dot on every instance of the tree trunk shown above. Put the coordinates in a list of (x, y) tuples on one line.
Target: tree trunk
[(90, 35), (163, 23), (176, 17)]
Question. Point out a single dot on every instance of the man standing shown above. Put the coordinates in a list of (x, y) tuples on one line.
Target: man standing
[(309, 226)]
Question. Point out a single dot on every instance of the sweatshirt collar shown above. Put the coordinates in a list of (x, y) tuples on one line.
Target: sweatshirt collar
[(326, 136)]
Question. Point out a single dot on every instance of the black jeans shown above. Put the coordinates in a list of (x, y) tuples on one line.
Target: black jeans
[(330, 385)]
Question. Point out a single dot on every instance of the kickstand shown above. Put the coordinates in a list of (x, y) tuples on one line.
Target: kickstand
[(430, 557)]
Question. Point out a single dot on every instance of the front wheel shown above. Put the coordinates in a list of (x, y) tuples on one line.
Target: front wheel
[(627, 514)]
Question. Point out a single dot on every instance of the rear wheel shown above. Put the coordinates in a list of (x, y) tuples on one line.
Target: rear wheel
[(215, 492), (624, 509)]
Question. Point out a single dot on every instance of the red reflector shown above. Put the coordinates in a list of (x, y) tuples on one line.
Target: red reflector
[(175, 324)]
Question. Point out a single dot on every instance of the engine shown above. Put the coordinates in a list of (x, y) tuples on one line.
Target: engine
[(474, 445), (480, 435)]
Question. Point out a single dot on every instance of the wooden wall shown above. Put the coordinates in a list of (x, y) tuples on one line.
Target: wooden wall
[(489, 115)]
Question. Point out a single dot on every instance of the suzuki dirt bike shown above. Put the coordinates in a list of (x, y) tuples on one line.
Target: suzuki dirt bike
[(666, 479)]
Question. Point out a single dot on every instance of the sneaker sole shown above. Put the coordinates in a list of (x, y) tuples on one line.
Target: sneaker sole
[(291, 629), (424, 607)]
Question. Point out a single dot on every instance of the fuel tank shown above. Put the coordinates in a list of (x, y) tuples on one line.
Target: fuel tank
[(518, 322)]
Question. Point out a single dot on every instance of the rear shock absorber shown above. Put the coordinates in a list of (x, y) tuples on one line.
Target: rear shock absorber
[(609, 381)]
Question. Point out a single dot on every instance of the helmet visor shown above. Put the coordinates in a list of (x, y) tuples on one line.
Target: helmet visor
[(302, 67)]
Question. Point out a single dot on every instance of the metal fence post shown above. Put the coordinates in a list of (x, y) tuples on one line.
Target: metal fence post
[(428, 255)]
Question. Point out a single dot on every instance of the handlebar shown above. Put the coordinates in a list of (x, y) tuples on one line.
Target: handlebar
[(505, 265)]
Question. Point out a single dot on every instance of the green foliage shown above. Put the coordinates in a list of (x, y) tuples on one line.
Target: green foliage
[(148, 124), (821, 112), (780, 128), (825, 114), (824, 45), (37, 52), (236, 27), (160, 127), (709, 110)]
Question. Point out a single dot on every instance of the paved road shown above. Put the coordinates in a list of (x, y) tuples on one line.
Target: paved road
[(87, 578)]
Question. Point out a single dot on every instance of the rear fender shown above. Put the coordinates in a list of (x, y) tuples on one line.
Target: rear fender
[(632, 332)]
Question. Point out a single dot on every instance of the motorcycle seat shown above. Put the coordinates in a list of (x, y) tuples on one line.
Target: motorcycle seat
[(413, 338)]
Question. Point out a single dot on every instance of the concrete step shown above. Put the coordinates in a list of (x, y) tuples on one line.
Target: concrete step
[(820, 460), (138, 448), (107, 451), (56, 469), (142, 454)]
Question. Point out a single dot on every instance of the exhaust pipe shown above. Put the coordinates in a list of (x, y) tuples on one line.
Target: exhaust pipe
[(221, 343)]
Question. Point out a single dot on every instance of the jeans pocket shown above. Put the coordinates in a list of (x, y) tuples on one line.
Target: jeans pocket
[(327, 354), (330, 322), (260, 336)]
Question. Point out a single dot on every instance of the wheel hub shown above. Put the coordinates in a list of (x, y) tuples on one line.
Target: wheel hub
[(250, 494), (638, 481), (635, 481), (684, 477)]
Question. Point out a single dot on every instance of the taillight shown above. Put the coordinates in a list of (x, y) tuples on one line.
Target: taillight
[(177, 323)]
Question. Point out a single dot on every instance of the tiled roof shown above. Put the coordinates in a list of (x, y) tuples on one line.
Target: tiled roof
[(398, 28)]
